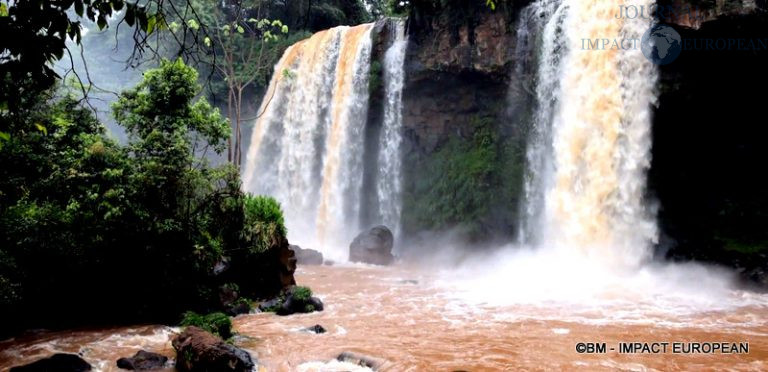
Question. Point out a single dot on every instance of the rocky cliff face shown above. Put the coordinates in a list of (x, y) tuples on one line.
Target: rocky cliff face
[(709, 147), (462, 70), (458, 73), (694, 13)]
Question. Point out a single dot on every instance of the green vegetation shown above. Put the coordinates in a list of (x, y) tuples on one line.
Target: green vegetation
[(466, 184), (302, 293), (376, 78), (263, 222), (160, 228), (275, 304), (293, 300), (217, 323)]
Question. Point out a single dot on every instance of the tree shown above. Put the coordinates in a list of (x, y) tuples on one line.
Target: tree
[(244, 49), (80, 215), (170, 133), (35, 36), (249, 52)]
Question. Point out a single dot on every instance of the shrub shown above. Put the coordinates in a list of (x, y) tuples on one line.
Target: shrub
[(216, 323), (302, 293), (264, 223), (467, 185)]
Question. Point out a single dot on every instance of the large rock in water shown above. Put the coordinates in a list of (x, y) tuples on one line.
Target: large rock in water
[(299, 301), (142, 361), (373, 246), (307, 256), (200, 351), (56, 362)]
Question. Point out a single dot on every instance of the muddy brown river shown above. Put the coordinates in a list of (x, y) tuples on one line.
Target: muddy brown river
[(414, 320)]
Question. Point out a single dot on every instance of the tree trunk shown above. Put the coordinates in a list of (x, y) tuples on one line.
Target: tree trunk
[(230, 96), (239, 153)]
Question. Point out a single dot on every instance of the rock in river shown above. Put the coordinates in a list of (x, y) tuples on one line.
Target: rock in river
[(142, 361), (200, 351), (56, 362), (307, 256), (373, 246)]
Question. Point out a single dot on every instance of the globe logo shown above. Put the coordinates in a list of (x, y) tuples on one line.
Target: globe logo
[(661, 44)]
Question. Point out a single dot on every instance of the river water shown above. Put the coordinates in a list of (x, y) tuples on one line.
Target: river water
[(418, 320)]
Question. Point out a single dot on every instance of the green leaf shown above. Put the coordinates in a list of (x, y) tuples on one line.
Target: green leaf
[(142, 18), (4, 136), (102, 22), (193, 24), (58, 53), (3, 10), (151, 23), (42, 128), (79, 7), (130, 15)]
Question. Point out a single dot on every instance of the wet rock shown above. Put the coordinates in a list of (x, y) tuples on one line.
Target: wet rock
[(315, 329), (287, 259), (299, 300), (200, 351), (142, 361), (307, 256), (293, 300), (227, 295), (373, 246), (271, 305), (361, 360), (238, 308), (221, 266), (57, 362)]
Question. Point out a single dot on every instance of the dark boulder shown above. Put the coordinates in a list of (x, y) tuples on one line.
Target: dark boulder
[(307, 256), (293, 300), (361, 360), (201, 351), (299, 300), (57, 362), (373, 246), (315, 329), (238, 308), (142, 361), (287, 267), (271, 305), (227, 295)]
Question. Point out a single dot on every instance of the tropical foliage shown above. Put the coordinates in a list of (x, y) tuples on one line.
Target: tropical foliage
[(159, 226)]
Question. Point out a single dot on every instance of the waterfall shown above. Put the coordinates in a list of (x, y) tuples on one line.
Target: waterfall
[(590, 147), (389, 181), (540, 18), (306, 147)]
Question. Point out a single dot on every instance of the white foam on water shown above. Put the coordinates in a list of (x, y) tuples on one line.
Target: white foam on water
[(331, 366)]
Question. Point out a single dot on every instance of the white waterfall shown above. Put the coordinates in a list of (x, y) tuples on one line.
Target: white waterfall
[(389, 181), (306, 148), (591, 143)]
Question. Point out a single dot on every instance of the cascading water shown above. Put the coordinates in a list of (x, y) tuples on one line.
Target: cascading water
[(306, 147), (544, 18), (389, 181), (591, 142)]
